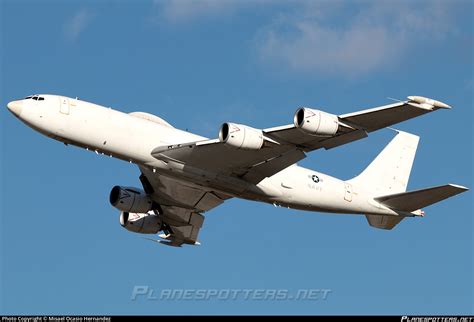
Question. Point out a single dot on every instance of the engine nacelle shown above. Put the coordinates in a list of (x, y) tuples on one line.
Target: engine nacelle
[(315, 122), (143, 223), (130, 199), (241, 136)]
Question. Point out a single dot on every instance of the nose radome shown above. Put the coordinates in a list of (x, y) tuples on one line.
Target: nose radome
[(15, 107)]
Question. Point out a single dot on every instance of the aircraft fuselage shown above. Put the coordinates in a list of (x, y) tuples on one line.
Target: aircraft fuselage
[(132, 137)]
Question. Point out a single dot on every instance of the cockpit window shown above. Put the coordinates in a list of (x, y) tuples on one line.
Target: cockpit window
[(35, 97)]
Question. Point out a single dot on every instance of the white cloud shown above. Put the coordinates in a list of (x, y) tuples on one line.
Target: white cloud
[(350, 38), (186, 10), (347, 39), (314, 47), (77, 24)]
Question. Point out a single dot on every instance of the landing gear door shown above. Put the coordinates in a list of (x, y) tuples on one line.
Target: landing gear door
[(64, 105)]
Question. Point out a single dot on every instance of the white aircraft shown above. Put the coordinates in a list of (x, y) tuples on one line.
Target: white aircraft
[(184, 175)]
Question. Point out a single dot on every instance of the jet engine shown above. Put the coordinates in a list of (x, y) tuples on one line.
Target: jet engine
[(315, 122), (143, 223), (130, 199), (241, 136)]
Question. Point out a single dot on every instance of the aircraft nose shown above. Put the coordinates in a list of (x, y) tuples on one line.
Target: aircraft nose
[(15, 107)]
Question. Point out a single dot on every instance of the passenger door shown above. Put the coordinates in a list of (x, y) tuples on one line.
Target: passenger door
[(64, 105), (348, 192)]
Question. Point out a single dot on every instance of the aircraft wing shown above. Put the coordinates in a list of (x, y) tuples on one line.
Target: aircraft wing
[(285, 145), (357, 125), (181, 206)]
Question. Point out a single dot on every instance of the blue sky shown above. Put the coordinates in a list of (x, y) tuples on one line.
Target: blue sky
[(198, 64)]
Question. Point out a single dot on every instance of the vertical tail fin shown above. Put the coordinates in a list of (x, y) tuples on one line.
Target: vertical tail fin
[(388, 174), (386, 178), (390, 170)]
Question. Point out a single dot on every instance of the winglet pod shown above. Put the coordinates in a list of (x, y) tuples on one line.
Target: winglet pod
[(427, 103)]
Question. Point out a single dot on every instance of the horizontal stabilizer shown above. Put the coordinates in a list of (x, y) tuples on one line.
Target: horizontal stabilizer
[(414, 200)]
